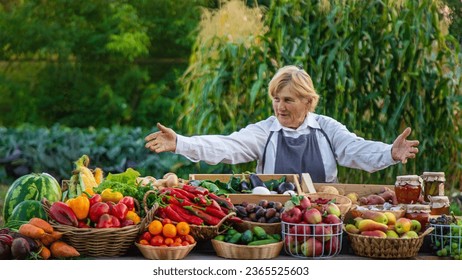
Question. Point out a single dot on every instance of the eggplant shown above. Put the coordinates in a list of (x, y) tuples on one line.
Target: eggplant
[(255, 181), (285, 186), (244, 186)]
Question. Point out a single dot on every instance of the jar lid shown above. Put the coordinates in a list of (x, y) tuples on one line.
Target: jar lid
[(439, 199), (414, 180), (417, 208), (433, 176)]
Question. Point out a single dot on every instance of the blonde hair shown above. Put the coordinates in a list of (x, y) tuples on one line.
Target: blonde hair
[(298, 82)]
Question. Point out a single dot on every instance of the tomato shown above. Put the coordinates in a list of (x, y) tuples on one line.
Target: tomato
[(157, 240), (146, 236)]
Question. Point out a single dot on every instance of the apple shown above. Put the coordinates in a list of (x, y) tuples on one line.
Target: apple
[(331, 247), (415, 225), (312, 247), (292, 245), (332, 208), (392, 234), (402, 225), (312, 216), (305, 202), (300, 231), (391, 218), (331, 219), (410, 234), (322, 232), (293, 215)]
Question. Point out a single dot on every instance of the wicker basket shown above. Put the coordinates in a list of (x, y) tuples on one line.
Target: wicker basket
[(164, 253), (198, 232), (386, 248), (269, 228), (99, 242), (246, 252), (343, 202)]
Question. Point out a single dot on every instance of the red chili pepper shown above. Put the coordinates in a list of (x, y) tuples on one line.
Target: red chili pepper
[(224, 209), (214, 212), (187, 194), (195, 190), (208, 219), (201, 200), (186, 215), (179, 202), (222, 201), (172, 215)]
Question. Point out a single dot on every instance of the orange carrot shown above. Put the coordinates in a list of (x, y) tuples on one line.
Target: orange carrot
[(41, 223), (31, 231), (45, 253), (60, 249)]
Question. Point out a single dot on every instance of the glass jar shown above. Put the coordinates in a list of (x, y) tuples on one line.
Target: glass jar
[(419, 212), (433, 184), (408, 189), (439, 205)]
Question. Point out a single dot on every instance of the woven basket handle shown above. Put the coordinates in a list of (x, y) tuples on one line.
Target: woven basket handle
[(148, 218), (145, 200)]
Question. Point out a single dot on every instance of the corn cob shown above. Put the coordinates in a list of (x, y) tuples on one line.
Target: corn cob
[(86, 178), (98, 174)]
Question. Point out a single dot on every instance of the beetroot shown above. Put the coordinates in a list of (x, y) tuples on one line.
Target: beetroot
[(20, 249), (5, 251)]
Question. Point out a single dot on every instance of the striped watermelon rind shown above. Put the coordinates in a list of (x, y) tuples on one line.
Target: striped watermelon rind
[(34, 186), (27, 210)]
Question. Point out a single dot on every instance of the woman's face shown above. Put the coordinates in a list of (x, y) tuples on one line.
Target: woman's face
[(289, 109)]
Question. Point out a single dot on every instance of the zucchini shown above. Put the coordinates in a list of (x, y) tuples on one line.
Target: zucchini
[(263, 242)]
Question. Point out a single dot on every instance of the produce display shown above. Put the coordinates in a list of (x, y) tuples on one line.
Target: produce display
[(311, 232), (447, 236), (384, 225), (37, 207), (263, 212), (35, 239)]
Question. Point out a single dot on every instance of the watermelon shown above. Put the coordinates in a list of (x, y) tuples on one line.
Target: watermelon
[(34, 186), (28, 209)]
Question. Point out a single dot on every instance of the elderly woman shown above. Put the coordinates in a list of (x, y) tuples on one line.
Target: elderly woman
[(293, 141)]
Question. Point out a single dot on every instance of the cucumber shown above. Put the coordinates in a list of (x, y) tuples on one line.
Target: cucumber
[(247, 237), (235, 238), (260, 232), (263, 242)]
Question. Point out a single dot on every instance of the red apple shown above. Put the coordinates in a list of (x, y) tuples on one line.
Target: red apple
[(322, 232), (300, 231), (293, 215), (312, 216), (312, 248), (292, 245), (305, 202), (332, 247), (333, 220)]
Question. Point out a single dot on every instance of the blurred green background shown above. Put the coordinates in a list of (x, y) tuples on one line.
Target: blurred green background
[(94, 77)]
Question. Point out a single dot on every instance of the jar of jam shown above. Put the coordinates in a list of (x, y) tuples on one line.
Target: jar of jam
[(433, 184), (408, 189), (439, 205), (419, 212)]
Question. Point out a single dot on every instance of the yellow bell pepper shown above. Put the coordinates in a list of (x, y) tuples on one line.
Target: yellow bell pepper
[(110, 195), (80, 206), (131, 215)]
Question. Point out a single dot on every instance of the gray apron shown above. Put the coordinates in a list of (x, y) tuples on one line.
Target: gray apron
[(299, 155)]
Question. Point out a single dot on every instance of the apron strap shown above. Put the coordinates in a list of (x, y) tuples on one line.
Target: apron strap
[(264, 152)]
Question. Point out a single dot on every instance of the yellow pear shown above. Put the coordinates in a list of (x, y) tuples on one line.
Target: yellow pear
[(391, 218)]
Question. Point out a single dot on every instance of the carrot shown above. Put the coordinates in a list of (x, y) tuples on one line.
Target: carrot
[(41, 223), (60, 249), (31, 231), (45, 253)]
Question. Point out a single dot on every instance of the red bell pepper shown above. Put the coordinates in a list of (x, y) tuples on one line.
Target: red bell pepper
[(126, 223), (63, 214), (186, 215), (97, 210), (208, 219), (95, 199), (119, 211), (129, 201), (105, 221)]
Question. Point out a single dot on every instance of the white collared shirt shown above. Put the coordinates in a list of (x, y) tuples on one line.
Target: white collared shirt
[(248, 145)]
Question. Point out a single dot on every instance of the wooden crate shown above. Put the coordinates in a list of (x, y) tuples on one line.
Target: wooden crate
[(308, 186), (238, 198), (360, 189)]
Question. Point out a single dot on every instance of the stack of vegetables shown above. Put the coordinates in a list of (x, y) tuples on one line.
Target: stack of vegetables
[(35, 239), (194, 205)]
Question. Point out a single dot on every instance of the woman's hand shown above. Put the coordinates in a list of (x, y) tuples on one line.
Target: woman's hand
[(163, 140), (403, 149)]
